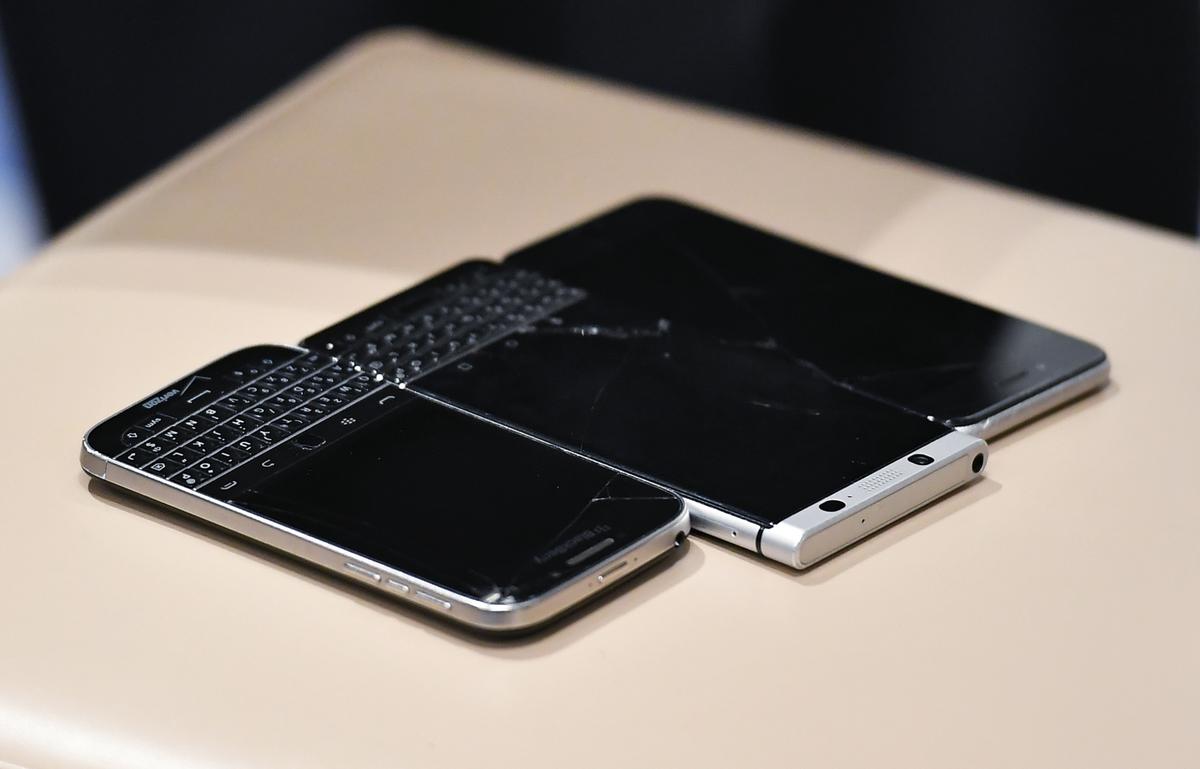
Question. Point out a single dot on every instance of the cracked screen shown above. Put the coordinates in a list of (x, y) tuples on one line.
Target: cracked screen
[(900, 342), (725, 415), (743, 370), (462, 503)]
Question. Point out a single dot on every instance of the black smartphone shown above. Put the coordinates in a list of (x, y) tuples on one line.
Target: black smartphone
[(300, 452), (772, 455), (977, 369), (796, 401)]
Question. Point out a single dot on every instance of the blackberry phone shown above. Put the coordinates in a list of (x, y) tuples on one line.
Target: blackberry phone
[(977, 369), (299, 451), (770, 452)]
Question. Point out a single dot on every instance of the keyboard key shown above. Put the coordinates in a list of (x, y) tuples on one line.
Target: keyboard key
[(204, 444), (187, 479), (309, 411), (284, 402), (135, 457), (223, 409), (263, 413), (243, 423), (206, 468), (162, 468), (270, 434), (253, 369), (154, 447), (242, 375), (192, 425), (459, 315), (279, 379), (332, 400), (321, 382), (291, 423), (236, 402), (184, 455), (259, 390), (220, 436), (154, 423), (209, 415), (135, 435), (230, 456), (250, 444), (305, 389), (171, 437)]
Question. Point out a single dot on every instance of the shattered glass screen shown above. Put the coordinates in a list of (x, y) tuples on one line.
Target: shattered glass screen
[(917, 348), (745, 370), (461, 503), (724, 416)]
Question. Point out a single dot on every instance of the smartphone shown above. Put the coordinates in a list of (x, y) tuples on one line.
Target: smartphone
[(979, 370), (297, 451), (769, 451)]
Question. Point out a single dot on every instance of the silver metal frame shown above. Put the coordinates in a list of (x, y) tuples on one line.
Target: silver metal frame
[(1038, 404), (895, 490), (812, 534), (384, 578)]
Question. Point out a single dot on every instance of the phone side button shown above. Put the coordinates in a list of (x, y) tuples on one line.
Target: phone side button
[(362, 572), (433, 599), (397, 585)]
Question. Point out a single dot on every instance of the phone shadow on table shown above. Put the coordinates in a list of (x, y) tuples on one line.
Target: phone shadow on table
[(638, 589)]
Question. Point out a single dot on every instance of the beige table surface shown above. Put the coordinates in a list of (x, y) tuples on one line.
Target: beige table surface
[(1046, 616)]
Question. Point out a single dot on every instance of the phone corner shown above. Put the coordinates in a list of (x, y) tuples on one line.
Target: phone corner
[(91, 461)]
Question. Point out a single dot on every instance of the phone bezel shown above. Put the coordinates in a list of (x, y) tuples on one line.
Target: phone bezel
[(455, 606), (992, 419), (416, 590)]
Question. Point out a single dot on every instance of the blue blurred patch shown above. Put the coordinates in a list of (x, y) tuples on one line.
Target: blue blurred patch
[(20, 215)]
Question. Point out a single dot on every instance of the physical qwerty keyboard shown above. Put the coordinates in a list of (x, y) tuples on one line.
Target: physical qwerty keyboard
[(433, 324), (273, 402), (392, 342)]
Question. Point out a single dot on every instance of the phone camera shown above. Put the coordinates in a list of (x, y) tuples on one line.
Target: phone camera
[(921, 459), (832, 505)]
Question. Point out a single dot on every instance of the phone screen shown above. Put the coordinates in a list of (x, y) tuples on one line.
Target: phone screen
[(718, 414), (462, 503), (903, 343)]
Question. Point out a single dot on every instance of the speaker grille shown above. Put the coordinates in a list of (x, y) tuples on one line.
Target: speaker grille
[(878, 480)]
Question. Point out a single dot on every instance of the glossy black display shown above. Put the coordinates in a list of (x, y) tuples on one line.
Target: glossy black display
[(303, 440), (737, 423), (906, 344), (467, 505)]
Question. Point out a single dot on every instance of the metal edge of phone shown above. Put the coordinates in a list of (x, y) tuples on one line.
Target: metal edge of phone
[(1035, 405), (891, 492), (389, 581)]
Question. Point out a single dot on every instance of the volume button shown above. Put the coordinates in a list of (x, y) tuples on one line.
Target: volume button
[(433, 599), (362, 571)]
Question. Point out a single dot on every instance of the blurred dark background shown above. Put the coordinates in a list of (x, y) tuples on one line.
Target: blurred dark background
[(1093, 103)]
